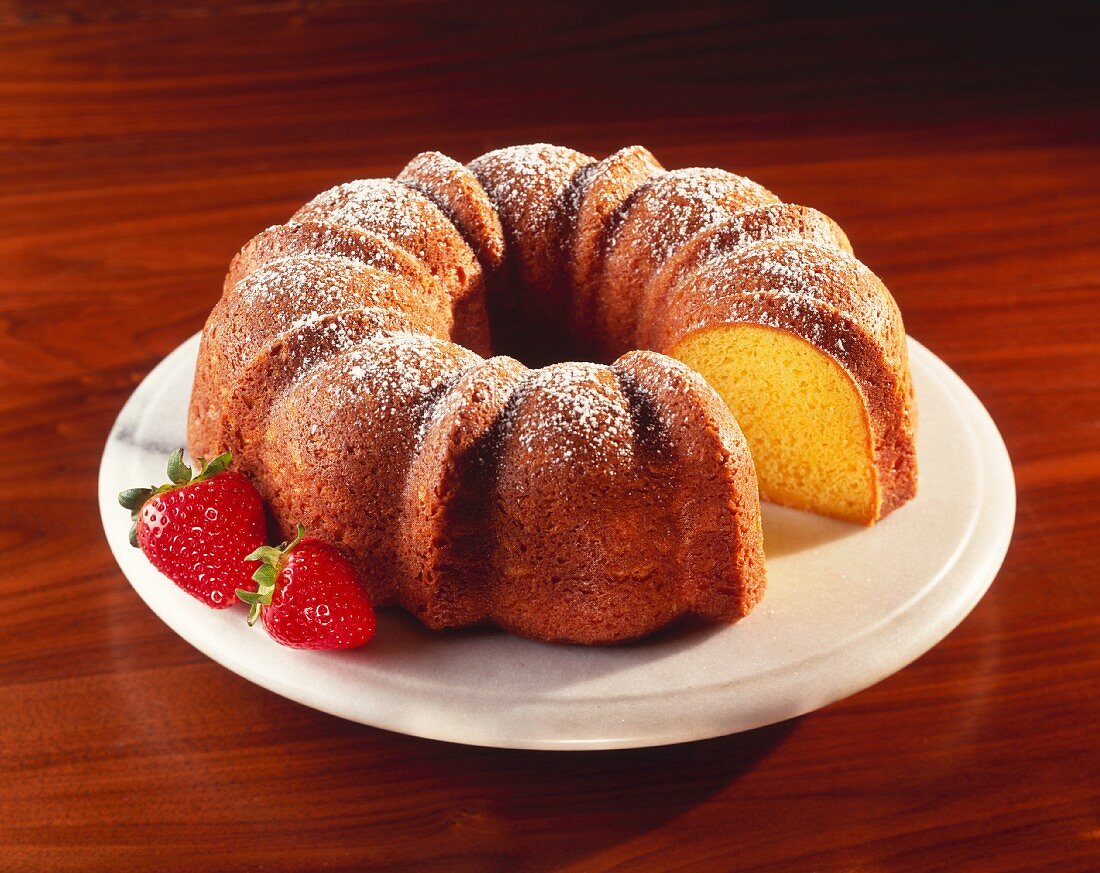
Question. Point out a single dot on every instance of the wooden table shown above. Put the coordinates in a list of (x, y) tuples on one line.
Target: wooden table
[(140, 148)]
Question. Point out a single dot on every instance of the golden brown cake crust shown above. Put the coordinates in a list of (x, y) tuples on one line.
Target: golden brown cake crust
[(455, 190), (284, 296), (775, 221), (342, 480), (445, 534), (578, 502), (662, 215), (411, 221), (319, 238), (716, 503), (584, 545), (258, 384), (602, 190)]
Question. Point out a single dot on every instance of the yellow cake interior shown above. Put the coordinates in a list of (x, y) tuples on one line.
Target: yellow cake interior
[(803, 417)]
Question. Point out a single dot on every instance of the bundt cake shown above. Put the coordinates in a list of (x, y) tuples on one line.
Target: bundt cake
[(579, 502)]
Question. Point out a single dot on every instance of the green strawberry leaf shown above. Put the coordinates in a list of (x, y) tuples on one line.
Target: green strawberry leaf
[(219, 465), (265, 579), (178, 472), (133, 498), (267, 554)]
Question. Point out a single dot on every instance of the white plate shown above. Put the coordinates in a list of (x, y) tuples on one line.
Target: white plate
[(846, 606)]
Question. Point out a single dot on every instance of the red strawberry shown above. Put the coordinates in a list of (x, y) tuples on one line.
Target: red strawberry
[(310, 596), (200, 531)]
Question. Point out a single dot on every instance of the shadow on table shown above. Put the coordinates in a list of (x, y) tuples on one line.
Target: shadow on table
[(542, 810)]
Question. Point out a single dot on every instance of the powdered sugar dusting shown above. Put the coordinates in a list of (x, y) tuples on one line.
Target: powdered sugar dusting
[(333, 333), (772, 222), (397, 370), (570, 412), (529, 180), (302, 284), (788, 281), (434, 169), (378, 205), (607, 184), (806, 267), (372, 250), (679, 204), (457, 192), (303, 288), (484, 388)]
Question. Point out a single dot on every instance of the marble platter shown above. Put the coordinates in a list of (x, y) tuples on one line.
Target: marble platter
[(846, 607)]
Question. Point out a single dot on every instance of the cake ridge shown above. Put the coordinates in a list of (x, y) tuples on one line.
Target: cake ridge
[(416, 224), (444, 534), (742, 228), (459, 195), (603, 194), (663, 215)]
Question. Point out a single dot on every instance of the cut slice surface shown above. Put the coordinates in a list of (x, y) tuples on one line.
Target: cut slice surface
[(803, 416)]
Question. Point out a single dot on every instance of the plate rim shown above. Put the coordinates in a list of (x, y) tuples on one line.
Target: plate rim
[(984, 546)]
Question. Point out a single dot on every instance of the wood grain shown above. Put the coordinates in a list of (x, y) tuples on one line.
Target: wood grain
[(141, 145)]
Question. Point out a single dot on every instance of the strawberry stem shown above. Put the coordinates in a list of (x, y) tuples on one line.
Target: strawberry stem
[(273, 560)]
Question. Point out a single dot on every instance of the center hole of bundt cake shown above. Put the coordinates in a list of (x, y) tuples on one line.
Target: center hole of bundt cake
[(536, 340)]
